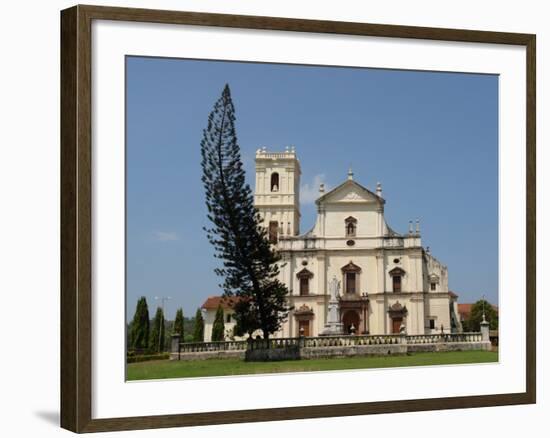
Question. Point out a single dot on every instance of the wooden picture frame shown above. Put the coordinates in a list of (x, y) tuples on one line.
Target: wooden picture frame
[(76, 217)]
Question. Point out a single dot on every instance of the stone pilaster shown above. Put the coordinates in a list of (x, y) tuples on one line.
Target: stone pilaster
[(175, 343)]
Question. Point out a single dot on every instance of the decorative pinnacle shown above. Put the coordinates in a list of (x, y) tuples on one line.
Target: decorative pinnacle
[(350, 174), (321, 188), (379, 189)]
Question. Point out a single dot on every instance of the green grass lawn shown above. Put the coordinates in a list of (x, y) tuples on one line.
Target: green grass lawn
[(163, 369)]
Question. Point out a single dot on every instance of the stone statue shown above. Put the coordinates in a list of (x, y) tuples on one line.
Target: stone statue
[(334, 288), (333, 325)]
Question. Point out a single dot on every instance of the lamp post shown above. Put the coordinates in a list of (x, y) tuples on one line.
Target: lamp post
[(161, 328)]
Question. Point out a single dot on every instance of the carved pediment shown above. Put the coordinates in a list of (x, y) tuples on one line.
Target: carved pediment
[(303, 310), (397, 309), (397, 271), (304, 273), (351, 195), (350, 192), (351, 267)]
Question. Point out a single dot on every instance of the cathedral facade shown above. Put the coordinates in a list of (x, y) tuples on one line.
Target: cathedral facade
[(380, 281)]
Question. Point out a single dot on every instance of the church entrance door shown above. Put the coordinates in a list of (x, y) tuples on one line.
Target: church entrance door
[(351, 317), (396, 324), (303, 325)]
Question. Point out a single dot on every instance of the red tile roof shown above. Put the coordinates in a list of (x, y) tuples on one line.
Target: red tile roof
[(465, 309), (213, 302)]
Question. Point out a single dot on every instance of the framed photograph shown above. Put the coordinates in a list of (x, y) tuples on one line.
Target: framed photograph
[(309, 218)]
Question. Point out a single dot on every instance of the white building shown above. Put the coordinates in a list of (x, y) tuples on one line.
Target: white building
[(388, 281)]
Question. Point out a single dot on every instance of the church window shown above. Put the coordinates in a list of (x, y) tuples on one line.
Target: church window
[(397, 275), (396, 281), (350, 282), (432, 324), (434, 281), (351, 278), (351, 226), (273, 230), (304, 286), (303, 277), (274, 182)]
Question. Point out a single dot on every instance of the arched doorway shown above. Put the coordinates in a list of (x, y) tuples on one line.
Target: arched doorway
[(350, 317)]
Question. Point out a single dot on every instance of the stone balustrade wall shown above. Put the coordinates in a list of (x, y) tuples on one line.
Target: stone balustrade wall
[(328, 346)]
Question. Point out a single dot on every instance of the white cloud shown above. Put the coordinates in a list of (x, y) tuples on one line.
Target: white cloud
[(166, 236), (310, 192)]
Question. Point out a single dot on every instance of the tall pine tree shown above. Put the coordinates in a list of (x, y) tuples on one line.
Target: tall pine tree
[(245, 319), (139, 328), (218, 329), (250, 267), (157, 332), (178, 323), (198, 330)]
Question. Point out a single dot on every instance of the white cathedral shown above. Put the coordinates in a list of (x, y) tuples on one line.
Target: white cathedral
[(350, 264)]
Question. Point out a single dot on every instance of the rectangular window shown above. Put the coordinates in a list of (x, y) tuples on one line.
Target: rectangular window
[(432, 286), (432, 324), (304, 286), (273, 231), (228, 318), (350, 283), (396, 283)]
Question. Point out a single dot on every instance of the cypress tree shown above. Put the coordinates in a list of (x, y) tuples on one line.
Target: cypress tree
[(139, 328), (250, 266), (198, 331), (218, 329), (157, 332), (178, 323)]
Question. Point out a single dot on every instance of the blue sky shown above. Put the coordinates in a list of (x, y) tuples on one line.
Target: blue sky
[(430, 138)]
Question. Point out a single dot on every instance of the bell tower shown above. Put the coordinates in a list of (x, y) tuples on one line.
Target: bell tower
[(277, 195)]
